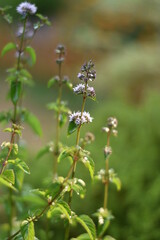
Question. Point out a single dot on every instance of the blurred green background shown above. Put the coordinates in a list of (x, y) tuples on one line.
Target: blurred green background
[(123, 39)]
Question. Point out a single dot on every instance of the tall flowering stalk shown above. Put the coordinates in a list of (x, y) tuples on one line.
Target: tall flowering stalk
[(107, 175), (60, 108), (12, 166)]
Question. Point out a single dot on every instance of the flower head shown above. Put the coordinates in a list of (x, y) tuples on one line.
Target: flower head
[(88, 72), (26, 7), (80, 89), (78, 119)]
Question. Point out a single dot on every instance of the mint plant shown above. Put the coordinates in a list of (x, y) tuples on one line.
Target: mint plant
[(56, 197)]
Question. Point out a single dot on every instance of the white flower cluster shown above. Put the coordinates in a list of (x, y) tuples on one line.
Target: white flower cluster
[(26, 7), (78, 119), (80, 89)]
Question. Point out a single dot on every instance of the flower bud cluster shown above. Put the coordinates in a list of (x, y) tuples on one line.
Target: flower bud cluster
[(26, 8), (107, 151), (89, 137), (60, 50), (88, 72), (80, 89), (112, 124), (79, 119)]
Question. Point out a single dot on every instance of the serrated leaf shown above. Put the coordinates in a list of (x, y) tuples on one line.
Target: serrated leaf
[(27, 230), (32, 54), (53, 189), (8, 47), (117, 182), (72, 127), (18, 237), (20, 164), (83, 236), (15, 91), (79, 187), (63, 155), (33, 122), (8, 18), (89, 163), (51, 82), (88, 224), (6, 183), (9, 175), (64, 208), (23, 166)]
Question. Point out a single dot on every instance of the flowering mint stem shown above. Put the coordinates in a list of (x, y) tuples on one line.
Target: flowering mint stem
[(18, 64), (107, 174), (56, 153), (75, 160)]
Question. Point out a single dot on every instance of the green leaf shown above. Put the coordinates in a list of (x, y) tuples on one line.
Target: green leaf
[(15, 91), (108, 238), (69, 85), (117, 182), (8, 47), (33, 122), (9, 175), (89, 163), (51, 82), (83, 236), (64, 208), (79, 186), (64, 154), (23, 166), (44, 19), (88, 224), (72, 127), (32, 54), (20, 164), (6, 183), (8, 18), (27, 230), (53, 190), (18, 237)]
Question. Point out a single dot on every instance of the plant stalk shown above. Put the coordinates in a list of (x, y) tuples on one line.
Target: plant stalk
[(106, 183), (56, 153)]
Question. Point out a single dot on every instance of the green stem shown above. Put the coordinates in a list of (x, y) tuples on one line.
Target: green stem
[(15, 121), (106, 183), (106, 186), (56, 153), (67, 232)]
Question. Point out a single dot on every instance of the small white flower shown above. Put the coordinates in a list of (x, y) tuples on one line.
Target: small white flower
[(26, 7), (101, 220)]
